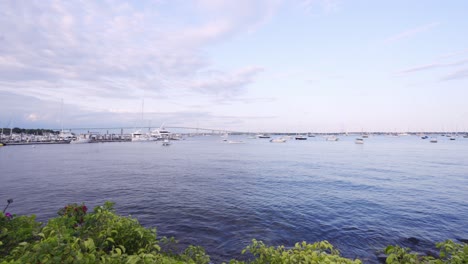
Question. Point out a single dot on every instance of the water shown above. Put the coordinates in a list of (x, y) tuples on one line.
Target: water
[(202, 191)]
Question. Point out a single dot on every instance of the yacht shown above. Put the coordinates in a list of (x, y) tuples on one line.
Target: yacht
[(166, 142), (160, 133), (235, 142), (278, 140), (332, 138), (80, 140), (263, 136), (137, 136), (359, 141), (300, 137), (433, 140), (66, 135)]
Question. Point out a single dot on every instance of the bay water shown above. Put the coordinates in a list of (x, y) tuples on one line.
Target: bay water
[(207, 192)]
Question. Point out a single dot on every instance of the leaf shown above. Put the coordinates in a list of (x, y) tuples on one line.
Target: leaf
[(157, 247)]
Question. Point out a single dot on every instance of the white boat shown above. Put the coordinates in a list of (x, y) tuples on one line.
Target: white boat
[(137, 136), (166, 142), (80, 140), (359, 141), (263, 136), (433, 140), (66, 135), (235, 142), (278, 140), (161, 133), (332, 138), (300, 137)]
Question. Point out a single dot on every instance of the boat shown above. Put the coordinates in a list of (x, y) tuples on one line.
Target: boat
[(66, 135), (80, 140), (166, 142), (310, 135), (300, 137), (332, 138), (160, 133), (424, 137), (365, 136), (278, 140), (452, 138), (263, 136), (465, 136), (359, 141), (235, 142), (137, 136), (433, 140)]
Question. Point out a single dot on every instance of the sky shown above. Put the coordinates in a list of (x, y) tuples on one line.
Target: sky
[(242, 65)]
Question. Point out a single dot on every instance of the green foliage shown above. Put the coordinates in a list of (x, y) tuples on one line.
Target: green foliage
[(78, 237), (16, 230), (450, 252), (319, 252), (396, 254)]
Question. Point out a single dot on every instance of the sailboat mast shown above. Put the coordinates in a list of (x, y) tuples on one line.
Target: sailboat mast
[(61, 115), (142, 108)]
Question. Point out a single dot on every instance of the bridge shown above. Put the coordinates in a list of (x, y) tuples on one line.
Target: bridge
[(198, 129)]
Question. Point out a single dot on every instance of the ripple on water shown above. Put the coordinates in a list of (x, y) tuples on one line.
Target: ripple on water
[(220, 196)]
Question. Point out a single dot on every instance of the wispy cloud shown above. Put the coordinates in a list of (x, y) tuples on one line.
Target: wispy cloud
[(410, 32), (431, 66), (453, 54), (461, 74), (226, 84), (325, 6)]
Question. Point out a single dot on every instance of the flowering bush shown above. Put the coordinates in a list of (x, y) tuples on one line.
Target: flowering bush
[(74, 211)]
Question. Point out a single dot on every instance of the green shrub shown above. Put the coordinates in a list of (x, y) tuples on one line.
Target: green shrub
[(76, 236), (319, 252)]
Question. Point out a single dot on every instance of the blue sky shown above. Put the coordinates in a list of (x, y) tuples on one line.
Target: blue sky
[(304, 65)]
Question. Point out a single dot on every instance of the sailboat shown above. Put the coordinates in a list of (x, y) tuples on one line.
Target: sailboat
[(138, 135)]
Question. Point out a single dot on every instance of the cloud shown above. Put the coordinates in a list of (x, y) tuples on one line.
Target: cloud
[(29, 112), (326, 6), (431, 66), (410, 33), (226, 84), (462, 74), (95, 52)]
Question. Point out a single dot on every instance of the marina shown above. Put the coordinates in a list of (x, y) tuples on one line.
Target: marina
[(161, 134)]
